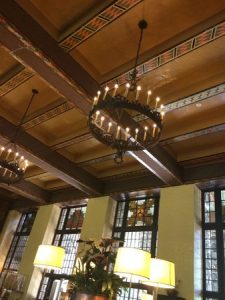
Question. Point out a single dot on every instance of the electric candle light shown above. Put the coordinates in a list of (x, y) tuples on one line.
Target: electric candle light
[(138, 92), (95, 100), (154, 129), (115, 89), (117, 132), (102, 120), (145, 134), (136, 133), (162, 114), (127, 132), (98, 93), (148, 97), (156, 101), (96, 115), (9, 151), (106, 91), (109, 126), (127, 89)]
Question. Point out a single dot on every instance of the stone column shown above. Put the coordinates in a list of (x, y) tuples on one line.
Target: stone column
[(7, 234), (42, 233), (179, 236)]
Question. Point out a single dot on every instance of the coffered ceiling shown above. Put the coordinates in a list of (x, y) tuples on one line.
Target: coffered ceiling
[(68, 50)]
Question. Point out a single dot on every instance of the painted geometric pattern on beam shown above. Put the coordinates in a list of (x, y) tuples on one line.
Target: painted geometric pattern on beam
[(15, 81), (195, 42), (105, 17)]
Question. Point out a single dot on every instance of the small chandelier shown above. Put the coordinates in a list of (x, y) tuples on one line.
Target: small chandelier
[(113, 117), (12, 164)]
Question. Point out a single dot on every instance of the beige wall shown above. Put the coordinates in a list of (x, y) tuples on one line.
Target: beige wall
[(99, 218), (179, 236), (42, 233)]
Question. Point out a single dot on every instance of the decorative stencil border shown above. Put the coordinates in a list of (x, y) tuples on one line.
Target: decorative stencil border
[(199, 40), (52, 113), (108, 15), (15, 81)]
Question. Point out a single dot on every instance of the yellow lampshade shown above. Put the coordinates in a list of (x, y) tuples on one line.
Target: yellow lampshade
[(131, 262), (49, 256), (162, 274)]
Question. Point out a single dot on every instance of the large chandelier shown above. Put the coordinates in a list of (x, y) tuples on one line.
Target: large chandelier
[(128, 120), (12, 164)]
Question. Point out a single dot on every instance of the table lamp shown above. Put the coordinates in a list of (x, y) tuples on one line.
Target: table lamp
[(133, 264), (49, 257), (162, 275)]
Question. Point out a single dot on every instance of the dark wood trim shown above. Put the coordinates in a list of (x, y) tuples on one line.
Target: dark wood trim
[(50, 161)]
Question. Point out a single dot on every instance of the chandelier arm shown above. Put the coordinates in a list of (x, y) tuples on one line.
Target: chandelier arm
[(34, 92)]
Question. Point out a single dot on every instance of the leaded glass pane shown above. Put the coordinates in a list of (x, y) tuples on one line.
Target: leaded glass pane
[(211, 268), (209, 203), (223, 205), (138, 239), (120, 214)]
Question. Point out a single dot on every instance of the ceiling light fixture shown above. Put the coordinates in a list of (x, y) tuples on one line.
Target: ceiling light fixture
[(12, 164), (113, 118)]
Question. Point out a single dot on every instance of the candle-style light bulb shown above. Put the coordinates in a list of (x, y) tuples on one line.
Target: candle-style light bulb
[(98, 95), (145, 133), (127, 89), (138, 92), (118, 132), (127, 133), (162, 114), (106, 91), (102, 120), (148, 96), (116, 86), (95, 101), (109, 126), (9, 151), (156, 102), (136, 133), (154, 129), (96, 115)]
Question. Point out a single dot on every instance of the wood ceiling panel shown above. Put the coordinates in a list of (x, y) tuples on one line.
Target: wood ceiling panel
[(7, 63), (56, 15), (118, 41), (110, 168), (191, 118), (60, 128), (14, 103), (88, 150), (198, 147)]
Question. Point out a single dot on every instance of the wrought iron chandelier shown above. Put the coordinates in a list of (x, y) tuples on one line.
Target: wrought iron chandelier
[(113, 117), (12, 164)]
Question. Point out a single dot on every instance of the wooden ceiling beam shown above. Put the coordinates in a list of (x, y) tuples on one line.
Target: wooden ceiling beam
[(28, 190), (49, 160), (33, 46)]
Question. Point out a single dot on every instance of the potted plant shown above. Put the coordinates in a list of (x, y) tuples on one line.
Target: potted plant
[(94, 277)]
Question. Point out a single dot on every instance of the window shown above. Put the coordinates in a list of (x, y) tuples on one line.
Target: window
[(18, 244), (136, 223), (213, 207), (66, 235)]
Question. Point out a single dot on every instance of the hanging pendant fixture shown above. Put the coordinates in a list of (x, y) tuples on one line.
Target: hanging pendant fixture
[(130, 120), (12, 164)]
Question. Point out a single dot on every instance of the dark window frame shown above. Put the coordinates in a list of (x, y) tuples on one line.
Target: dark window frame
[(18, 234), (51, 276), (219, 227)]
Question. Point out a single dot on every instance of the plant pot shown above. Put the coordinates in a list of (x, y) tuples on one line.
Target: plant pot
[(83, 296)]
